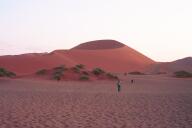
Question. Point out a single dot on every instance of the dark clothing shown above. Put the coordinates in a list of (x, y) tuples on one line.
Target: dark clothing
[(132, 81), (118, 86)]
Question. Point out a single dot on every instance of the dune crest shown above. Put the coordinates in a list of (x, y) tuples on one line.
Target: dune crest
[(100, 44)]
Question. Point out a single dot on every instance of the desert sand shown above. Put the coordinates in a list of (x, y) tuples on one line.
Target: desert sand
[(151, 102)]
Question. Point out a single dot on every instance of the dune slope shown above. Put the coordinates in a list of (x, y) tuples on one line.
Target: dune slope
[(170, 67), (107, 54)]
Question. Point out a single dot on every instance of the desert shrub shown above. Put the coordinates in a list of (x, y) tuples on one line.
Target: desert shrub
[(10, 74), (98, 71), (183, 74), (58, 75), (111, 76), (59, 72), (85, 73), (60, 68), (136, 73), (75, 69), (84, 77), (2, 72), (41, 72), (6, 73), (80, 66)]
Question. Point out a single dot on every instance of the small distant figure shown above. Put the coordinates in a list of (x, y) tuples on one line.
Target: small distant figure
[(118, 85), (132, 81)]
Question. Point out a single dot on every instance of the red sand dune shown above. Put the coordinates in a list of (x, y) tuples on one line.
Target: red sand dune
[(30, 63), (170, 67), (100, 44), (108, 54)]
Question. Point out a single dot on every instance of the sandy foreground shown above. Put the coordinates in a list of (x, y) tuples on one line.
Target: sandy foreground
[(151, 102)]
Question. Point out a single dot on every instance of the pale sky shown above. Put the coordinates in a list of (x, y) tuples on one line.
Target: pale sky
[(160, 29)]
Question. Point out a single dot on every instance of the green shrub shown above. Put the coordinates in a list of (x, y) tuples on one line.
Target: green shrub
[(136, 73), (2, 72), (59, 72), (6, 73), (98, 71), (57, 77), (75, 69), (41, 72), (84, 77), (80, 66), (10, 74), (183, 74)]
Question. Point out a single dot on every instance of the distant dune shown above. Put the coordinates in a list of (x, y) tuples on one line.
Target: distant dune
[(170, 67), (110, 55)]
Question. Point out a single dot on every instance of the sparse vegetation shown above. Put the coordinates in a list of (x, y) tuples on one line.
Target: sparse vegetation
[(183, 74), (10, 74), (6, 73), (80, 66), (57, 75), (41, 72), (98, 71), (136, 73), (76, 69), (59, 72), (84, 77)]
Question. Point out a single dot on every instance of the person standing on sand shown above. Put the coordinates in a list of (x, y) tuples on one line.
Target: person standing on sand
[(118, 85), (132, 81)]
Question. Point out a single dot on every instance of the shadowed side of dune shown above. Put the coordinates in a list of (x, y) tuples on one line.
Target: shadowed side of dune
[(184, 64)]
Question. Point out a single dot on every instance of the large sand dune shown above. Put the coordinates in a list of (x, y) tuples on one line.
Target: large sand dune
[(107, 54), (151, 102), (170, 67)]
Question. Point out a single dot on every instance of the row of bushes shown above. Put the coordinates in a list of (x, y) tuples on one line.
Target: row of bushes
[(6, 73), (178, 74), (58, 72), (183, 74)]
